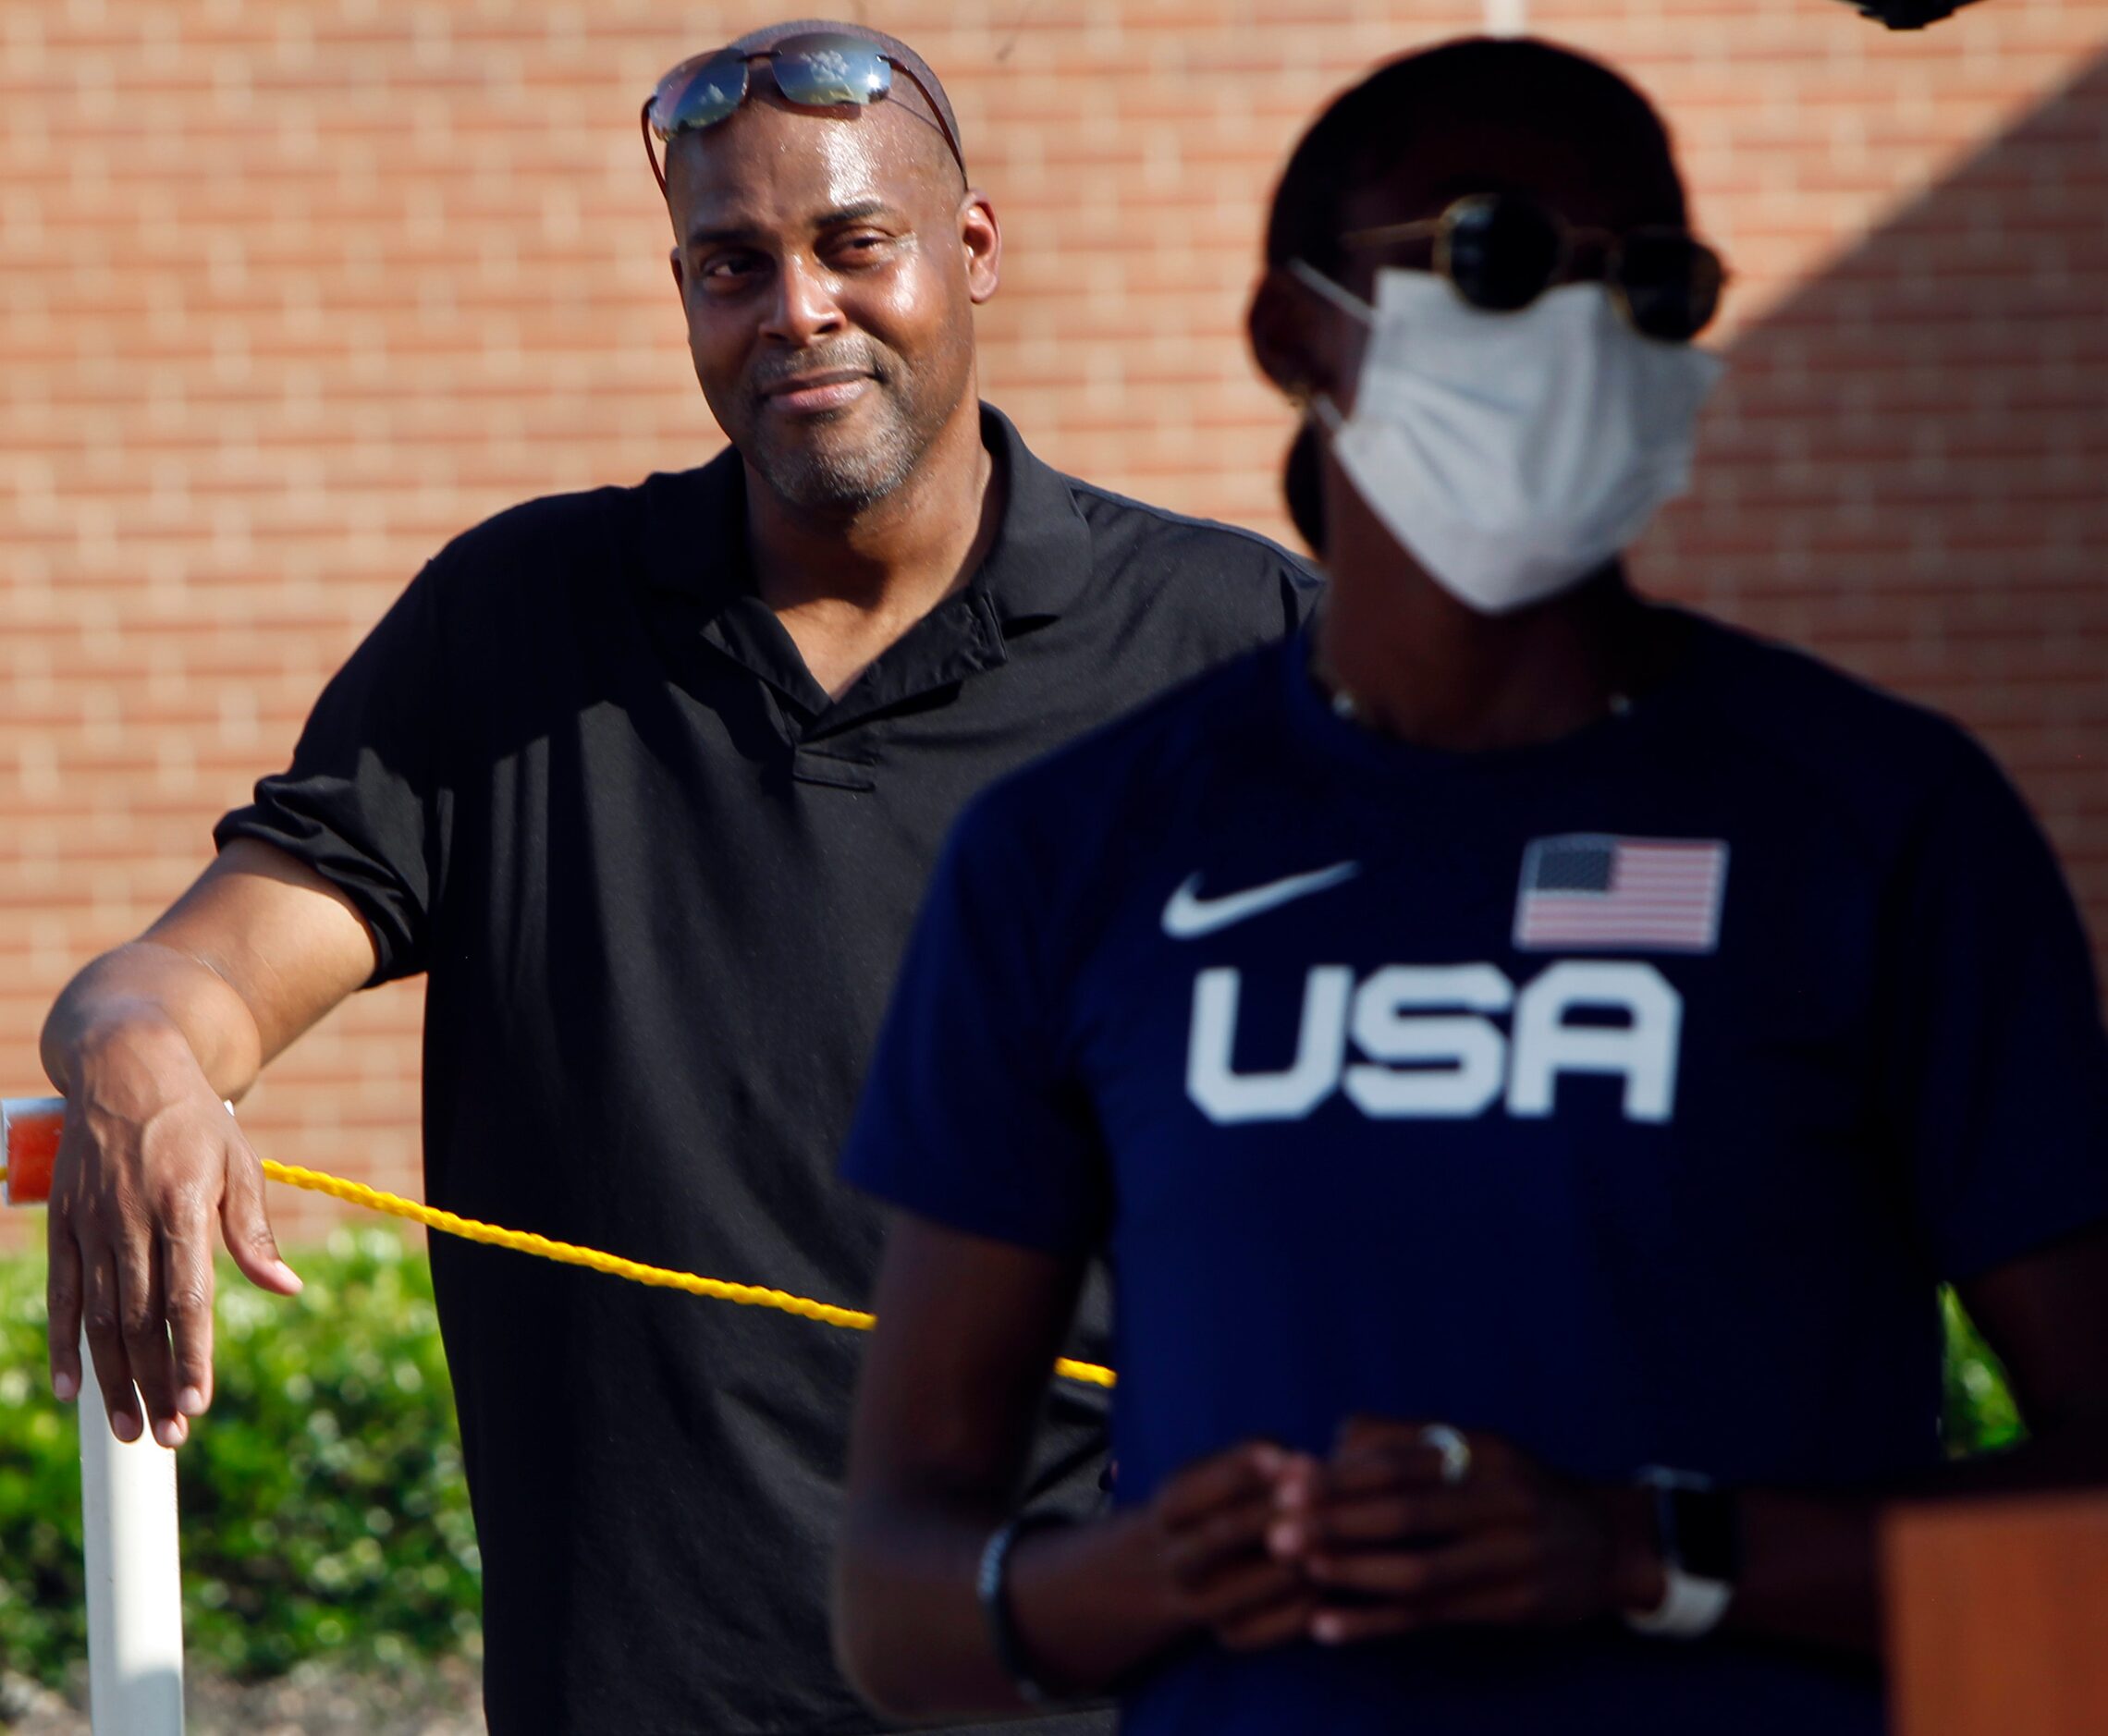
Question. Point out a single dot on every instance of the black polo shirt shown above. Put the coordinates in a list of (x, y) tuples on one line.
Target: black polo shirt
[(659, 883)]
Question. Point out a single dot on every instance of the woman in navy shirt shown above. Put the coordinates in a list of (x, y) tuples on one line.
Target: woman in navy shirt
[(1527, 1056)]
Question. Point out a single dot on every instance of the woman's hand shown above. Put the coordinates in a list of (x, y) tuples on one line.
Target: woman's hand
[(1209, 1527), (1396, 1533)]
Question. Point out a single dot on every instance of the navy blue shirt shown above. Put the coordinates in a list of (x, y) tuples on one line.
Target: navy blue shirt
[(1626, 1096)]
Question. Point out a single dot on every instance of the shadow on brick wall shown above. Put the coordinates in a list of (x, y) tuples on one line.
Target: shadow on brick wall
[(1906, 469)]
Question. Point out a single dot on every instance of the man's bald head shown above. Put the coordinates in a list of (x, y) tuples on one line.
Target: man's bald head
[(829, 259)]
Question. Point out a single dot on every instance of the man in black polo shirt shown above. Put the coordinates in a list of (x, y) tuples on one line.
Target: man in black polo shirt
[(647, 782)]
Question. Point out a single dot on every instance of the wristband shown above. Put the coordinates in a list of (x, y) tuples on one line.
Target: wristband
[(991, 1586), (1697, 1531), (1689, 1608)]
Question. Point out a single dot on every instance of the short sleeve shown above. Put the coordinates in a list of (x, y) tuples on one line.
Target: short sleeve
[(358, 803), (969, 1116), (2000, 1078)]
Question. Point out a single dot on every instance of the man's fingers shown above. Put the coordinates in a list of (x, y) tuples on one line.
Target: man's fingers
[(112, 1370), (1227, 1477), (62, 1303), (1424, 1575), (186, 1259), (247, 1225), (142, 1172), (142, 1318)]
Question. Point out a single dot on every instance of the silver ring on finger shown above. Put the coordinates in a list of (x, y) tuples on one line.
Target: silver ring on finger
[(1456, 1450)]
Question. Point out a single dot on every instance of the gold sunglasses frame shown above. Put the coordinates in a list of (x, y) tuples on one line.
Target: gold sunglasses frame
[(1444, 227)]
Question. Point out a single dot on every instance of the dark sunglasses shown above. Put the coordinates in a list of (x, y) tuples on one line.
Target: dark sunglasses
[(1501, 253), (818, 71)]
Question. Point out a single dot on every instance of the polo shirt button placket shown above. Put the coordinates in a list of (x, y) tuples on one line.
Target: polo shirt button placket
[(836, 771)]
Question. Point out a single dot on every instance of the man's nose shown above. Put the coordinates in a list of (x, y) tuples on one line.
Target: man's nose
[(804, 306)]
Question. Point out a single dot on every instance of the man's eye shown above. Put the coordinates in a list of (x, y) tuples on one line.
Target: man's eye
[(725, 268)]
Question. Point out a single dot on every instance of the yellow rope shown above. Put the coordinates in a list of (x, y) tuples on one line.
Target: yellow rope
[(570, 1253), (526, 1242)]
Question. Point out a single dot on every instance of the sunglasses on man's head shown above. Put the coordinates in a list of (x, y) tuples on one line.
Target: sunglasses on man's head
[(821, 70), (1501, 253)]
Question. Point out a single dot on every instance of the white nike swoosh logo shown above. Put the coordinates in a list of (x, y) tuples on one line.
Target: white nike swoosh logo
[(1188, 915)]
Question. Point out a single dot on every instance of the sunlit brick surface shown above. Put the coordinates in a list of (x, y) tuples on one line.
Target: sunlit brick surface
[(294, 292)]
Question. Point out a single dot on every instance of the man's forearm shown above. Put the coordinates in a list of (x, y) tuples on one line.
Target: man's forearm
[(145, 994)]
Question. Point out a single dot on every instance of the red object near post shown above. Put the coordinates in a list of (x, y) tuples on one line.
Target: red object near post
[(30, 1128), (1998, 1617)]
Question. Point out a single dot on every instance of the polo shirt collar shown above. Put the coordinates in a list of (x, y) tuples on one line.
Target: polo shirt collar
[(1041, 560), (1039, 566)]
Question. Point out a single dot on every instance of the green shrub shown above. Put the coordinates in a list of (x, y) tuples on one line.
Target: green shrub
[(42, 1622), (323, 1507)]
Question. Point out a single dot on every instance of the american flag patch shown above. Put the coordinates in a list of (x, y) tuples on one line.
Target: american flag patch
[(1637, 894)]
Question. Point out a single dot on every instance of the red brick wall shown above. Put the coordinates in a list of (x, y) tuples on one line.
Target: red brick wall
[(295, 290)]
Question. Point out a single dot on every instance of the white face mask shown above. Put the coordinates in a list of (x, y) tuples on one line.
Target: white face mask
[(1512, 453)]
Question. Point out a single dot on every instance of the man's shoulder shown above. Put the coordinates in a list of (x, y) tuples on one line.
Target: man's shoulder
[(1177, 543), (546, 533), (554, 539), (1128, 532), (1160, 527)]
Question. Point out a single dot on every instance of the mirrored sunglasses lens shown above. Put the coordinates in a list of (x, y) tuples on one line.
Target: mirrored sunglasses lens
[(822, 71), (702, 98), (1501, 253), (1671, 283)]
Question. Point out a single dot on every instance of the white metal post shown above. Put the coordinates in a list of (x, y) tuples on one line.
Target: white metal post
[(135, 1575), (128, 1508)]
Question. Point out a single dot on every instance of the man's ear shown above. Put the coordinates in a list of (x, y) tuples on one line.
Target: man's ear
[(981, 238)]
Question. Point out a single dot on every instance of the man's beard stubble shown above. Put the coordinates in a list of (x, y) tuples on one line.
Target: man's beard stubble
[(821, 469)]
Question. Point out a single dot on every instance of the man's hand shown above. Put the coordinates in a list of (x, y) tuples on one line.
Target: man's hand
[(144, 1045), (149, 1156), (1210, 1524), (1393, 1545)]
